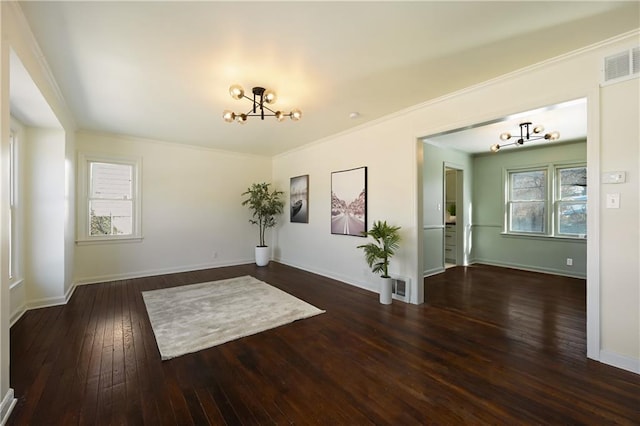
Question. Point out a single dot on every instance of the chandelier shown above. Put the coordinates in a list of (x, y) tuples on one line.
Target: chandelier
[(526, 135), (261, 97)]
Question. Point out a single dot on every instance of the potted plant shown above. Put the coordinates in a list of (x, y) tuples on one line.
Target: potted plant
[(452, 212), (265, 205), (378, 254)]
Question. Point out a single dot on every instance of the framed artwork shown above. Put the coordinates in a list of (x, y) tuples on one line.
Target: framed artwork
[(299, 199), (349, 202)]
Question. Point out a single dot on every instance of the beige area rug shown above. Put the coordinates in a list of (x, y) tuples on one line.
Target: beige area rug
[(190, 318)]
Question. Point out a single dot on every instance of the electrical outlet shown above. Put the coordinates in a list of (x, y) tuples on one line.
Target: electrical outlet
[(569, 261)]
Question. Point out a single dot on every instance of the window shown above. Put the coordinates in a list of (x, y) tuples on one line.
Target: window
[(110, 199), (571, 204), (547, 201), (527, 201)]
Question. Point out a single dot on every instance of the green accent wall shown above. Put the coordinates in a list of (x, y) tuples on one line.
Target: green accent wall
[(490, 245), (435, 159)]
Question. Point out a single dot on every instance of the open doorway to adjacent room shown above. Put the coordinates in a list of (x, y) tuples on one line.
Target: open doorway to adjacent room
[(453, 234)]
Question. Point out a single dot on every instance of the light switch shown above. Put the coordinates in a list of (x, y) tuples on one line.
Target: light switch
[(614, 177), (613, 201)]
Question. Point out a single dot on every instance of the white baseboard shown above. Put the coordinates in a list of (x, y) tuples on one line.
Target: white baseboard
[(328, 274), (433, 271), (528, 268), (51, 301), (6, 406), (15, 316), (155, 272), (620, 361)]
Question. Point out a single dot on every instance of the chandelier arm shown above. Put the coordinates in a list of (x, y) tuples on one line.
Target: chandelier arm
[(267, 108), (260, 115)]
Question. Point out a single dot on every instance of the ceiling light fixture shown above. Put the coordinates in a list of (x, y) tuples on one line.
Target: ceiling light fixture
[(261, 97), (525, 136)]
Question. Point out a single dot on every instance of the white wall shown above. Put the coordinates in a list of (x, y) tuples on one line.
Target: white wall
[(191, 209), (620, 234), (17, 290), (389, 152), (388, 148), (44, 215)]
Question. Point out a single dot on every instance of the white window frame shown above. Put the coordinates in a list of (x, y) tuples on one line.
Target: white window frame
[(83, 220), (558, 201), (552, 202), (509, 202)]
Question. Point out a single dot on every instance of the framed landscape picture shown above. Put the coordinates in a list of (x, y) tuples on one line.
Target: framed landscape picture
[(299, 199), (349, 202)]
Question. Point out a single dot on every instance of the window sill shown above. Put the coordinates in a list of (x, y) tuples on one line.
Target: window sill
[(543, 237), (109, 240)]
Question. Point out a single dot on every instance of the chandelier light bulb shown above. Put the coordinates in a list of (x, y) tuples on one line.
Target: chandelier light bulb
[(280, 115), (241, 118), (236, 91), (553, 136), (270, 96), (495, 147), (228, 116), (505, 136), (538, 129), (296, 115)]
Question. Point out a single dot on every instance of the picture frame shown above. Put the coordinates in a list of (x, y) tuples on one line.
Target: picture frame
[(349, 202), (299, 199)]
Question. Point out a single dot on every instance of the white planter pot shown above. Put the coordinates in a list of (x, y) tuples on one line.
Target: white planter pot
[(385, 290), (263, 255)]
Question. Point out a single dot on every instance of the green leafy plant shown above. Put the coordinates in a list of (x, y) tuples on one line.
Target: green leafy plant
[(452, 209), (378, 254), (265, 205)]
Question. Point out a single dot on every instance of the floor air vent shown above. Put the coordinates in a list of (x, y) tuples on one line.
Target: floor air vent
[(400, 288), (622, 65)]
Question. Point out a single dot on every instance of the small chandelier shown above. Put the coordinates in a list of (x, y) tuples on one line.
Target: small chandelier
[(261, 97), (526, 135)]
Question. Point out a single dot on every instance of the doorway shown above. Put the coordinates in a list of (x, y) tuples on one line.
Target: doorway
[(452, 200)]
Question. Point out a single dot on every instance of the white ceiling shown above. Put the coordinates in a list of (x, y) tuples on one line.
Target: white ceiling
[(568, 118), (161, 70)]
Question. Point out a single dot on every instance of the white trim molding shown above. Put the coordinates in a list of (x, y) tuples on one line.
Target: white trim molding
[(6, 406), (620, 361)]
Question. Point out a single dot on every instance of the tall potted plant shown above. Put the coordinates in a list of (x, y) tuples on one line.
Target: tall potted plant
[(265, 205), (378, 254)]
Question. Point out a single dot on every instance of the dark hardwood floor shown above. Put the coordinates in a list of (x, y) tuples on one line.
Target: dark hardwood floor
[(492, 346)]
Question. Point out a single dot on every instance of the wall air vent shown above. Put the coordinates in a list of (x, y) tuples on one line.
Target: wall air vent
[(621, 66)]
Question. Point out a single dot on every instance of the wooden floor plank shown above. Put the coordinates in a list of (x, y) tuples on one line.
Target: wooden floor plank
[(490, 346)]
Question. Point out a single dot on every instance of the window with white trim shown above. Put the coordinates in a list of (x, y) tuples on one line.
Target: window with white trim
[(547, 201), (527, 201), (571, 201), (109, 207)]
